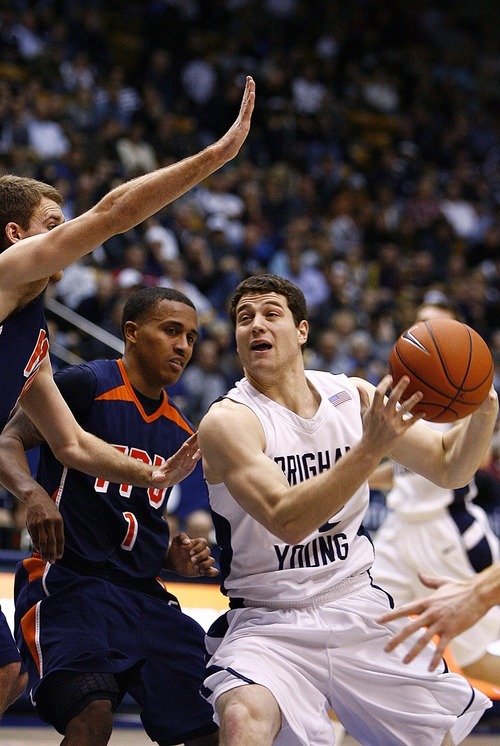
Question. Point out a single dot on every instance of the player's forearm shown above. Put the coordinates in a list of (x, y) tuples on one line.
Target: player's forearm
[(466, 444), (93, 456), (314, 501), (15, 474), (133, 202), (488, 586)]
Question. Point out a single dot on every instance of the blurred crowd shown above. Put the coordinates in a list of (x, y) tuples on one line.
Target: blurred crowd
[(371, 176)]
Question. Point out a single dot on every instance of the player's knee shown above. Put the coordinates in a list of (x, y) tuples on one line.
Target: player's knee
[(248, 717), (93, 725), (73, 701)]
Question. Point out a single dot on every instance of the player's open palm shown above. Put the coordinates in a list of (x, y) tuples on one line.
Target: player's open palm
[(237, 133), (387, 417), (178, 466), (45, 526)]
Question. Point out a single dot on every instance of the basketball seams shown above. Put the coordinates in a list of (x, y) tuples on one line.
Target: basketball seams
[(452, 348), (448, 407), (442, 360)]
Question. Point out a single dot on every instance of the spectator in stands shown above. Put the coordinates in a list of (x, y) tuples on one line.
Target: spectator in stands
[(202, 381)]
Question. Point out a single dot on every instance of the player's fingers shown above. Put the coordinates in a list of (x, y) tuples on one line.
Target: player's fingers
[(192, 441), (433, 582), (421, 643), (403, 634), (436, 658), (381, 390), (412, 401), (415, 607), (200, 553), (35, 537), (50, 550), (208, 568), (211, 572)]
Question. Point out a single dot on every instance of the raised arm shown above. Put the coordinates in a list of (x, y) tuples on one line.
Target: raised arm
[(450, 459), (77, 449), (123, 208), (81, 451)]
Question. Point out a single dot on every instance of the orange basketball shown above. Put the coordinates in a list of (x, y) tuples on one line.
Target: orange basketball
[(448, 362)]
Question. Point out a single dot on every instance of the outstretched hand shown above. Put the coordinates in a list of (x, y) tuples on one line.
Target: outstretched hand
[(236, 135), (45, 526), (451, 609), (387, 416), (178, 466), (190, 557)]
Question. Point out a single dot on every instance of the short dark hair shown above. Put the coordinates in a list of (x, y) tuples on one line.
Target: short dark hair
[(19, 198), (143, 300), (260, 284)]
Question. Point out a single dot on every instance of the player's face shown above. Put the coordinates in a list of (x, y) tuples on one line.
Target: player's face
[(46, 216), (164, 343), (266, 335)]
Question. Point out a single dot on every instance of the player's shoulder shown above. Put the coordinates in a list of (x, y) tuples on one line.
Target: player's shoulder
[(223, 414), (361, 383)]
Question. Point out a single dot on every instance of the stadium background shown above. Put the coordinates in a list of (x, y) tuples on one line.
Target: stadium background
[(370, 176)]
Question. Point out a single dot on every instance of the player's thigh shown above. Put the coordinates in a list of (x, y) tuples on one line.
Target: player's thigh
[(175, 663), (374, 692)]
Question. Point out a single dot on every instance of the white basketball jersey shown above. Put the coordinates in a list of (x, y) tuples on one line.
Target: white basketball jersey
[(414, 497), (259, 567)]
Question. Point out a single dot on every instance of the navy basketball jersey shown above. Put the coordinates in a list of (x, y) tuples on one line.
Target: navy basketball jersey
[(24, 343), (116, 531)]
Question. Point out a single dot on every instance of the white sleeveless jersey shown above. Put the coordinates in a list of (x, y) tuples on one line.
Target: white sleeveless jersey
[(258, 567), (414, 497)]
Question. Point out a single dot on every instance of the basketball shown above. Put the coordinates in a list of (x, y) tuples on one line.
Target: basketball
[(447, 361)]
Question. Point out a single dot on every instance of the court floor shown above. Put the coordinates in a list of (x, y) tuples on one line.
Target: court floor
[(131, 736)]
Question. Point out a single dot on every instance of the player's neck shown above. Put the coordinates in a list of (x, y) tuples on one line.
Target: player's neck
[(292, 391), (150, 390)]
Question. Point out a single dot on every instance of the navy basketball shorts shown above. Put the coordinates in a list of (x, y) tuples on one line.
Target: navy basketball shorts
[(8, 648), (157, 652)]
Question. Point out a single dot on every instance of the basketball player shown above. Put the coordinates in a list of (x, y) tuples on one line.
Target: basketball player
[(440, 532), (287, 455), (35, 244), (99, 623)]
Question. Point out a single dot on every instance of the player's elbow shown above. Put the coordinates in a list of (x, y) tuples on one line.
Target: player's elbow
[(451, 480), (117, 213), (289, 530), (70, 453)]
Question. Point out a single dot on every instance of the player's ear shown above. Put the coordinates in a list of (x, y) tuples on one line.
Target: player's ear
[(130, 331), (303, 330), (14, 232)]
